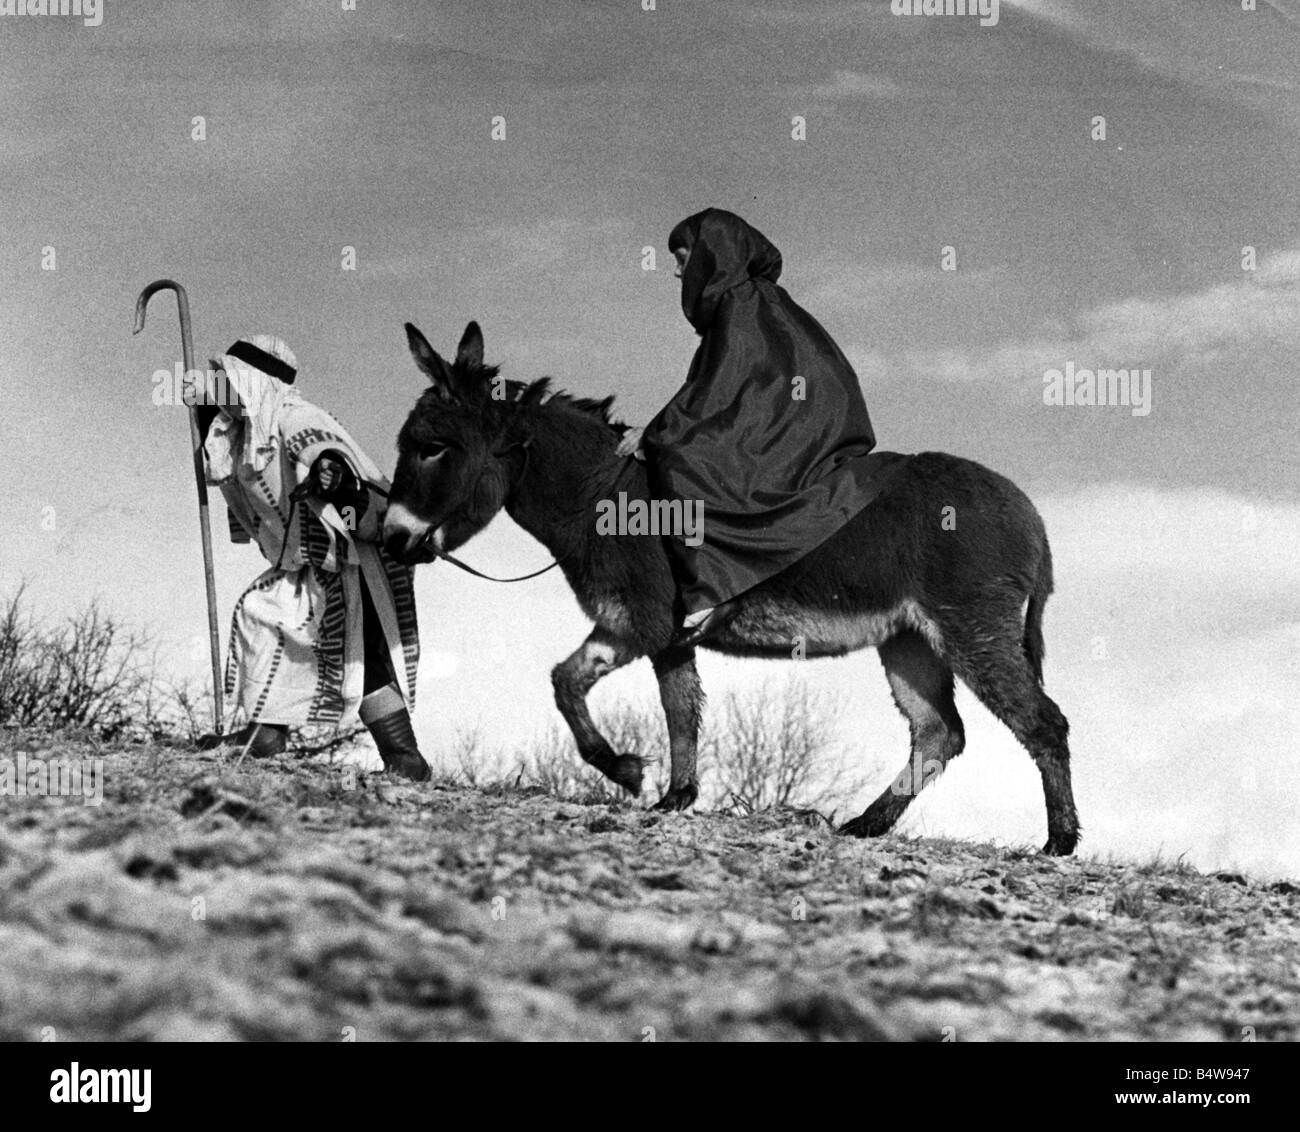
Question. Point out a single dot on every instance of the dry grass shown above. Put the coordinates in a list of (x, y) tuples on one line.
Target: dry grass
[(289, 900)]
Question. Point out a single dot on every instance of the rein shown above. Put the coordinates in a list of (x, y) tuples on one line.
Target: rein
[(426, 543)]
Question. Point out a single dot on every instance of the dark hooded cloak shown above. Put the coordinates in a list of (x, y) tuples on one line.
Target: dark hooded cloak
[(777, 474)]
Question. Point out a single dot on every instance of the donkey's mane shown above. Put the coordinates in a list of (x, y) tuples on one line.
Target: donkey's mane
[(539, 393)]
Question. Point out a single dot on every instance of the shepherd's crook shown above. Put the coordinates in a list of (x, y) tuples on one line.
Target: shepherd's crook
[(196, 442)]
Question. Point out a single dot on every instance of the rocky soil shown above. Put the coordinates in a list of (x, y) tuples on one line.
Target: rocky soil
[(205, 900)]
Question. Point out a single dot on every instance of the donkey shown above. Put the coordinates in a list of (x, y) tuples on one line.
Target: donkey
[(937, 599)]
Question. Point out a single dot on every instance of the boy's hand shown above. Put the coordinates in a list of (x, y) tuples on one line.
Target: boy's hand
[(328, 475), (630, 445), (331, 480)]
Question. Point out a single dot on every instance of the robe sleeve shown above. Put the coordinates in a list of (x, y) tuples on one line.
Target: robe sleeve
[(674, 423), (237, 532)]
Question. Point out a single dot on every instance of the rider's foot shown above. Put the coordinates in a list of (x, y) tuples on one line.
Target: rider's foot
[(702, 624)]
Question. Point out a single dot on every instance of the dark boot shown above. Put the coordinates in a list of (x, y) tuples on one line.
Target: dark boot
[(690, 635), (262, 739), (384, 714)]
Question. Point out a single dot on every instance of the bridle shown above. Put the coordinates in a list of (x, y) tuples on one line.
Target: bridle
[(426, 543)]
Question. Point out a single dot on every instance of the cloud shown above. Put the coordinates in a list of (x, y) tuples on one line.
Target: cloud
[(554, 240), (856, 84), (1217, 44), (1223, 321), (1291, 14), (1173, 641), (1058, 12), (551, 245), (835, 15)]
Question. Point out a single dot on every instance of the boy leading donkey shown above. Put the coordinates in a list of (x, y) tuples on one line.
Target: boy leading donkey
[(329, 631)]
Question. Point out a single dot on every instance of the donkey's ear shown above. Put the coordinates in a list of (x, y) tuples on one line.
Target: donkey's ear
[(470, 350), (427, 358)]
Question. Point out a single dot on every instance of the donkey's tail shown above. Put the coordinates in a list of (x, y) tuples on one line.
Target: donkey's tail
[(1033, 639)]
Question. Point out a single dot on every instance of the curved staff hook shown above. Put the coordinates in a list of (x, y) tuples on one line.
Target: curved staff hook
[(196, 443)]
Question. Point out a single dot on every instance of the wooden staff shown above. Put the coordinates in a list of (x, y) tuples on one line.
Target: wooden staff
[(200, 482)]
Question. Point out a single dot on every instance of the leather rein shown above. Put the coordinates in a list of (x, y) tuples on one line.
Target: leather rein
[(426, 543)]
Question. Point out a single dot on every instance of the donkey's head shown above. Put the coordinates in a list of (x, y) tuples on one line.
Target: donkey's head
[(455, 462), (475, 443)]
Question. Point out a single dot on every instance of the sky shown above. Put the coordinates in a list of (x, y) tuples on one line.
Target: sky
[(1173, 640)]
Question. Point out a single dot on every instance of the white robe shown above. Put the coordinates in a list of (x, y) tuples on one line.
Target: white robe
[(296, 646)]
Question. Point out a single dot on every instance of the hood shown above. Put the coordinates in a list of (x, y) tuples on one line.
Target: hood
[(251, 438), (724, 251)]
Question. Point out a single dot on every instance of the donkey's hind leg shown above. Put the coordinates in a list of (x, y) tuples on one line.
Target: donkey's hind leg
[(922, 687), (599, 655), (683, 701), (994, 666)]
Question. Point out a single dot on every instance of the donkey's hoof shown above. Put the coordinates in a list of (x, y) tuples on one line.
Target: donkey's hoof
[(864, 825), (627, 771), (678, 798), (1060, 844)]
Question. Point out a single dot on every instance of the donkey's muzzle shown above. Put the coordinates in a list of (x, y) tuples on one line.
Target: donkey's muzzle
[(407, 538)]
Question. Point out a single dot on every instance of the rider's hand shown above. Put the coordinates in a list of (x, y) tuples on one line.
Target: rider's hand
[(630, 445)]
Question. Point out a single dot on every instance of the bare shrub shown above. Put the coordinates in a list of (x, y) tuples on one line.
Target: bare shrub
[(466, 759), (774, 747), (767, 748), (639, 729), (90, 673), (553, 763), (191, 705)]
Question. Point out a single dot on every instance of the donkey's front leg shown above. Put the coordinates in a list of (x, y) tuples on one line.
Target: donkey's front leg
[(599, 655), (683, 700)]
